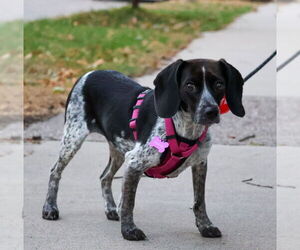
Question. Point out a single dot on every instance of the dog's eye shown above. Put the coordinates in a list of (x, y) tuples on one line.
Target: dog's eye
[(219, 86), (190, 87)]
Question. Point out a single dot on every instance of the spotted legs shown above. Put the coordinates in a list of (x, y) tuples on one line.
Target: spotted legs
[(74, 135), (115, 161), (130, 183), (206, 228)]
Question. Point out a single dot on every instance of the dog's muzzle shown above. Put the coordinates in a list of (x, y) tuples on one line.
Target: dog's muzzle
[(208, 115)]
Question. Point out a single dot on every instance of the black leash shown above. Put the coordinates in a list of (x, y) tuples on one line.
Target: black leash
[(260, 66), (281, 66), (288, 61)]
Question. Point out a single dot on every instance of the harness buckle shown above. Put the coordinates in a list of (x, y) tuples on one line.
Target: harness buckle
[(180, 157)]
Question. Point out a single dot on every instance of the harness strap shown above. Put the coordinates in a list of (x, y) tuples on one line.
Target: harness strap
[(171, 135), (163, 170), (135, 113), (196, 145), (172, 140)]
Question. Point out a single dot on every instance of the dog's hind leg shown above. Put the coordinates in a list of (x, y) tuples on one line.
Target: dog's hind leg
[(115, 162), (70, 144), (75, 131)]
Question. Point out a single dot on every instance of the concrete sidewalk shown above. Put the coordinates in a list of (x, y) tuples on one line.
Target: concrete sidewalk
[(39, 9), (11, 193), (11, 10), (246, 214)]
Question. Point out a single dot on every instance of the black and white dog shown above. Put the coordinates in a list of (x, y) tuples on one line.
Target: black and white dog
[(101, 101)]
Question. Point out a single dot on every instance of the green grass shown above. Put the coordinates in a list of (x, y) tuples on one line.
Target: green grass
[(11, 52), (11, 38), (127, 40)]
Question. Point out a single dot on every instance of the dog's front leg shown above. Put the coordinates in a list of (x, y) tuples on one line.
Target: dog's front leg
[(130, 182), (206, 228), (136, 163)]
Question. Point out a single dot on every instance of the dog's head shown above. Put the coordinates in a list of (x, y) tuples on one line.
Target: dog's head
[(198, 86)]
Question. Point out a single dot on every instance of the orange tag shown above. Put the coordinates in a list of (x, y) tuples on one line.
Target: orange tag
[(223, 106)]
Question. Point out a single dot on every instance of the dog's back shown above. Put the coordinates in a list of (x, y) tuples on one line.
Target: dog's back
[(107, 98)]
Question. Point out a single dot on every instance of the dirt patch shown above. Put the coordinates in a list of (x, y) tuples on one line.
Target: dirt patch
[(11, 100), (41, 102)]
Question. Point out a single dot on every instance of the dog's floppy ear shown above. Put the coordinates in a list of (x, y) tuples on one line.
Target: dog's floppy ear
[(166, 92), (234, 88)]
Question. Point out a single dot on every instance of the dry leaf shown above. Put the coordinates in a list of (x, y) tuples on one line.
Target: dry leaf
[(70, 37), (126, 50), (5, 56), (178, 26), (28, 56), (97, 63), (82, 62), (134, 20), (66, 73), (58, 89)]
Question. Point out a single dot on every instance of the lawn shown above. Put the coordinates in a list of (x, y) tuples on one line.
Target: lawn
[(11, 52), (11, 71), (133, 42)]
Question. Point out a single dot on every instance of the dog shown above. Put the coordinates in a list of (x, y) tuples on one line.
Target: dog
[(102, 101)]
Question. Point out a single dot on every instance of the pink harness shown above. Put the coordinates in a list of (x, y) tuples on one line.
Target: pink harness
[(177, 151)]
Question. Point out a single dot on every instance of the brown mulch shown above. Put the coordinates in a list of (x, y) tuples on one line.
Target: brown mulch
[(36, 103), (39, 106), (11, 101)]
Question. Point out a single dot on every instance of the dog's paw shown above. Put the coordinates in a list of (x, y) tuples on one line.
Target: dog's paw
[(50, 212), (112, 215), (210, 232), (130, 233)]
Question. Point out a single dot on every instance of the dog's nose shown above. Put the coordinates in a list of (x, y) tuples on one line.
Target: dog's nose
[(212, 113)]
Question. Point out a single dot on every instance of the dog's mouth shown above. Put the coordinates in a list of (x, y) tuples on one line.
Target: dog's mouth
[(205, 121)]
